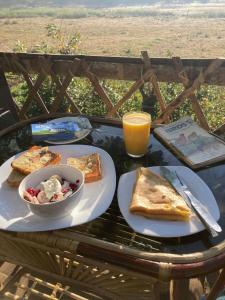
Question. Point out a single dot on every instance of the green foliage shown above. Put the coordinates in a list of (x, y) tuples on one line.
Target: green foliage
[(19, 47), (89, 102), (212, 101), (65, 43), (170, 91)]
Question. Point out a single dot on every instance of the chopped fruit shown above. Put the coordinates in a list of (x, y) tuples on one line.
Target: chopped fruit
[(51, 190), (30, 191), (28, 197), (64, 191), (42, 198), (33, 192), (73, 186)]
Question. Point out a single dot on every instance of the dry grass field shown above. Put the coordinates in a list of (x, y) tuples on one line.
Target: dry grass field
[(181, 36)]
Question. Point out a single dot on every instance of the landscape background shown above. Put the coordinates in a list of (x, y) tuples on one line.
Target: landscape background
[(118, 28)]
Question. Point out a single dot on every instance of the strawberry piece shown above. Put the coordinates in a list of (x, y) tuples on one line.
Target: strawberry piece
[(73, 186), (33, 192), (30, 191), (36, 192)]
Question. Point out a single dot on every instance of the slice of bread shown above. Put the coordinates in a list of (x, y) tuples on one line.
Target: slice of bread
[(89, 164), (15, 178), (34, 159)]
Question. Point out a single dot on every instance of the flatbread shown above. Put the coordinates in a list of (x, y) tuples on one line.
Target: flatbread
[(154, 197)]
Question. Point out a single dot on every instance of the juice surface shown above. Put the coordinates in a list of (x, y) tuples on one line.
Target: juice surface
[(136, 129)]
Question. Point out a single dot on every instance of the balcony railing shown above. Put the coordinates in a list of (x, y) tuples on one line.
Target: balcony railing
[(62, 69)]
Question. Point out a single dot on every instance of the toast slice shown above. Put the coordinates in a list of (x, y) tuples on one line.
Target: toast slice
[(34, 159), (15, 178), (153, 197), (89, 164)]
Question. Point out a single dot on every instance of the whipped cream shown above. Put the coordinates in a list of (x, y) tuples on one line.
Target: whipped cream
[(51, 187)]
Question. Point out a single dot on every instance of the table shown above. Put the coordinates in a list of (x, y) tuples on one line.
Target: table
[(109, 238)]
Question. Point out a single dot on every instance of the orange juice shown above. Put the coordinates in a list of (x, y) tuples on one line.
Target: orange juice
[(136, 130)]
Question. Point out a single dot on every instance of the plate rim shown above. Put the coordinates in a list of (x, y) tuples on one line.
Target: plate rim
[(155, 221)]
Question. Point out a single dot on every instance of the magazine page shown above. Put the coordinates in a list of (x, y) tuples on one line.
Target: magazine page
[(193, 142)]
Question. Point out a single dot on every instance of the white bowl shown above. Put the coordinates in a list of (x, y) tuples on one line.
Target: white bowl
[(52, 209)]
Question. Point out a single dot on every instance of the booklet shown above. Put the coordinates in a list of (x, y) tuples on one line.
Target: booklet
[(190, 142), (54, 131)]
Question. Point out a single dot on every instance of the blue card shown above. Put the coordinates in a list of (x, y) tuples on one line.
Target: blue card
[(54, 131)]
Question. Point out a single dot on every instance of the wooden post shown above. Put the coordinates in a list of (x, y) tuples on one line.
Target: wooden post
[(182, 75), (155, 84)]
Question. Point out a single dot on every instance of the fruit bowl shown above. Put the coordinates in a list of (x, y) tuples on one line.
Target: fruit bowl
[(58, 207)]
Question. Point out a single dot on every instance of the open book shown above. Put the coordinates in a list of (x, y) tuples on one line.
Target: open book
[(190, 142)]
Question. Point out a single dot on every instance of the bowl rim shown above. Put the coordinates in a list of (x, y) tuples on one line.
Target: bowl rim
[(51, 203)]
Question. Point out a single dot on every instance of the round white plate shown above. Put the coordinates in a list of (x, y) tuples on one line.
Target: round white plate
[(162, 228), (93, 201), (85, 129)]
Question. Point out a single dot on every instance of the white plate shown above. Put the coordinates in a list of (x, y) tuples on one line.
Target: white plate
[(166, 228), (93, 201), (83, 123)]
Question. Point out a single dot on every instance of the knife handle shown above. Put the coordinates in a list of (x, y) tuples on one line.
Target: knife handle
[(191, 206), (213, 230)]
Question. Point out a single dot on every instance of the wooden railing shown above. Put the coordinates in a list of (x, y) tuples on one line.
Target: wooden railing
[(191, 73)]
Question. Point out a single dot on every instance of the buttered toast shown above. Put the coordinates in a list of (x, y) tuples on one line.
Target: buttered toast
[(15, 178), (89, 164), (34, 159)]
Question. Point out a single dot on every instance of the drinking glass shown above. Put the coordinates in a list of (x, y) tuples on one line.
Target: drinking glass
[(136, 131)]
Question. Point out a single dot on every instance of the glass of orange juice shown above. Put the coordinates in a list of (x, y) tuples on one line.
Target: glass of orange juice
[(136, 131)]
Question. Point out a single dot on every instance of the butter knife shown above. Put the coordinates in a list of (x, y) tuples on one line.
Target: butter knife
[(205, 217)]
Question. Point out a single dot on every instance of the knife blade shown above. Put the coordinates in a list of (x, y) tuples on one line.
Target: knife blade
[(205, 217)]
